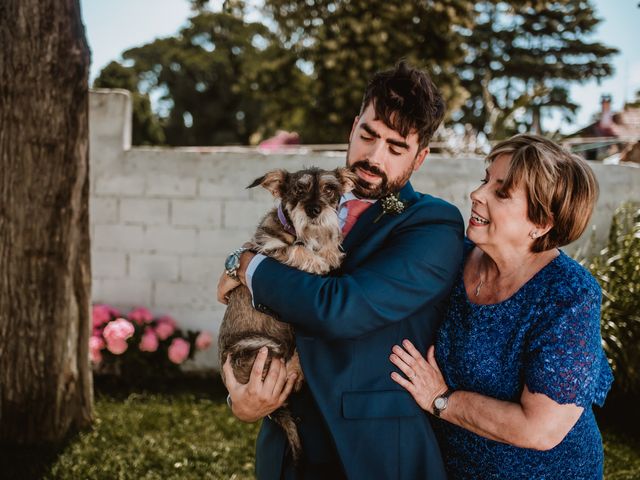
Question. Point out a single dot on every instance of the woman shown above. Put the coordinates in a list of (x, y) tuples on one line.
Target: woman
[(518, 360)]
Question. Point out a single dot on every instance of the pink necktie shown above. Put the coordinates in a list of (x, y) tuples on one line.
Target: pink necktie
[(355, 208)]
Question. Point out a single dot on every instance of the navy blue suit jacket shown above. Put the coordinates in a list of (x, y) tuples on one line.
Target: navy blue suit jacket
[(392, 285)]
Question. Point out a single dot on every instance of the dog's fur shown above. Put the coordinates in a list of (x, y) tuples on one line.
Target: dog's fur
[(309, 200)]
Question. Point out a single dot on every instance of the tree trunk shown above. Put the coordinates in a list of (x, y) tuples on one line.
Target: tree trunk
[(46, 386)]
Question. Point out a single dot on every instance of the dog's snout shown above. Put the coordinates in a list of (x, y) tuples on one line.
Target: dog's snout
[(313, 210)]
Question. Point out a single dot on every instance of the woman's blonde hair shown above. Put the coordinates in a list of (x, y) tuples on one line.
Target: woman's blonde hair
[(561, 188)]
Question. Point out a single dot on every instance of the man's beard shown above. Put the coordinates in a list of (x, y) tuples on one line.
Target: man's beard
[(364, 189)]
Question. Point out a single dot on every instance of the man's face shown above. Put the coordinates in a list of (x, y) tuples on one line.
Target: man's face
[(382, 159)]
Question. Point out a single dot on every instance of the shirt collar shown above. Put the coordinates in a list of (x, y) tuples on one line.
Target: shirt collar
[(350, 196)]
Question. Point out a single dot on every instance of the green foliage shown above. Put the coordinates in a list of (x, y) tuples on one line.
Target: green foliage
[(344, 42), (218, 80), (224, 80), (522, 56), (617, 269), (146, 126)]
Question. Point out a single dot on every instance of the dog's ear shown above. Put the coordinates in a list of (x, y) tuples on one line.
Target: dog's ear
[(274, 181), (347, 178)]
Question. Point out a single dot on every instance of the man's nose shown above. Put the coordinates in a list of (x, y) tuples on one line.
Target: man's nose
[(377, 154)]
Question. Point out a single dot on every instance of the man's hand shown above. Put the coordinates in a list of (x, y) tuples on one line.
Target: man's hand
[(226, 283), (257, 398)]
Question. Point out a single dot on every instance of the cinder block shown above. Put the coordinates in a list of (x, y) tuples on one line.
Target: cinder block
[(122, 185), (153, 267), (107, 264), (123, 291), (170, 240), (218, 188), (243, 214), (171, 186), (145, 211), (196, 212), (103, 210), (119, 237), (221, 242), (197, 296), (201, 269)]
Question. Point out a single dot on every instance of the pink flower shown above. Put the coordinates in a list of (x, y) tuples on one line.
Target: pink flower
[(100, 314), (119, 329), (141, 315), (203, 341), (149, 342), (168, 319), (117, 346), (96, 344), (179, 350), (164, 329)]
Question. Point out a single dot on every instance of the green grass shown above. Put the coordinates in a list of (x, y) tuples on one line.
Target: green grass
[(192, 435), (153, 436)]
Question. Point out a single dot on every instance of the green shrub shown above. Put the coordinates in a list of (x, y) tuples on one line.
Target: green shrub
[(617, 269)]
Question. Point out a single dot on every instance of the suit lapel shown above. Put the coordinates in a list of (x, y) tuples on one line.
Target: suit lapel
[(365, 225)]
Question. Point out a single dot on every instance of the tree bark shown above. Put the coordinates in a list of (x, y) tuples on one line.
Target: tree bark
[(46, 386)]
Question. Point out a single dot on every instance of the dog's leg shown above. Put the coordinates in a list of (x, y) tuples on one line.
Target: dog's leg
[(293, 366)]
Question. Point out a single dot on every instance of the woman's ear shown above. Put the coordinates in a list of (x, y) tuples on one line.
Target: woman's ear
[(274, 181)]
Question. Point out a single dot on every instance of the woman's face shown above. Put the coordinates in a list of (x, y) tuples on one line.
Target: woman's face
[(499, 218)]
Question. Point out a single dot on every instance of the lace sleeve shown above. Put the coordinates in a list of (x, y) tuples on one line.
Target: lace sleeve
[(564, 359)]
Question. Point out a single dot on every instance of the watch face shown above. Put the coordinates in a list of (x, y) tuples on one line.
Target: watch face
[(231, 262), (440, 403)]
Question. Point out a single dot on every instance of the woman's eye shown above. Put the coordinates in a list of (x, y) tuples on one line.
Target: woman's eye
[(484, 181), (501, 194)]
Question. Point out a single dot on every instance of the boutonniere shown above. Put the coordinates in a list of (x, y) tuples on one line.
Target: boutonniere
[(391, 204)]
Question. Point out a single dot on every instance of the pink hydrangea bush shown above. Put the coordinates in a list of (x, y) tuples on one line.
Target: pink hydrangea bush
[(139, 343)]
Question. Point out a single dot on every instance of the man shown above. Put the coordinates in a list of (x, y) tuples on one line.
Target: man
[(354, 420)]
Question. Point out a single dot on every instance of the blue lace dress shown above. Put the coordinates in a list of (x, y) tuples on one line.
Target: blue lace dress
[(546, 336)]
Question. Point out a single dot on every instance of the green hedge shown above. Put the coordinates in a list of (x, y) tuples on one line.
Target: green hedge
[(617, 269)]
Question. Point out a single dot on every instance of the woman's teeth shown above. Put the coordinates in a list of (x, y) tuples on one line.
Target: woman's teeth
[(479, 220)]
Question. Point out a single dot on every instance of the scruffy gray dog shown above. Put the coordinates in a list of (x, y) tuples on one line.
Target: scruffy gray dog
[(303, 232)]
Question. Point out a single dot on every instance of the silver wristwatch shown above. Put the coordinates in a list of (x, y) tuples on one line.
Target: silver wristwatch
[(441, 402), (232, 263)]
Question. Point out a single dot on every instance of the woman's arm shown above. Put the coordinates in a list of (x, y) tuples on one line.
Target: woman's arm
[(536, 422)]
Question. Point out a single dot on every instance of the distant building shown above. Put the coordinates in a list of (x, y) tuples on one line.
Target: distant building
[(624, 125)]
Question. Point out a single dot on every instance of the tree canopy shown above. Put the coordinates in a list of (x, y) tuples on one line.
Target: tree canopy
[(223, 79)]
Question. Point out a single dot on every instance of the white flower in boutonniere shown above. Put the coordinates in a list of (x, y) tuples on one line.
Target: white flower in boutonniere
[(391, 204)]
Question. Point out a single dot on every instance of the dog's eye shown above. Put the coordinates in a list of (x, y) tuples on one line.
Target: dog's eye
[(328, 189), (299, 189)]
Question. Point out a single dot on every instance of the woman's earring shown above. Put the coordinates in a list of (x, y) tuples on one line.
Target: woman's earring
[(533, 235)]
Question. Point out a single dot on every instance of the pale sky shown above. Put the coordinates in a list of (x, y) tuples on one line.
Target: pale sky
[(115, 25)]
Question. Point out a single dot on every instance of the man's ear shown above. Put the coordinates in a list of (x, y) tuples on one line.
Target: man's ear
[(347, 178), (420, 157), (273, 181)]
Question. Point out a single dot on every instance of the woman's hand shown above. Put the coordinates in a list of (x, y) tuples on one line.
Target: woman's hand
[(257, 398), (424, 380)]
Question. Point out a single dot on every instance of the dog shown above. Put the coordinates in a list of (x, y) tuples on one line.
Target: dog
[(302, 232)]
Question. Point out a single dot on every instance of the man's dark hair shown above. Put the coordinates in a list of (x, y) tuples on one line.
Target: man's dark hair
[(406, 100)]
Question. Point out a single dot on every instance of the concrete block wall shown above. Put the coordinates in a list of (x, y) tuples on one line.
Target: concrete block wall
[(164, 219)]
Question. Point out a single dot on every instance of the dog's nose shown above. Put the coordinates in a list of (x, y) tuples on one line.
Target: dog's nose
[(313, 210)]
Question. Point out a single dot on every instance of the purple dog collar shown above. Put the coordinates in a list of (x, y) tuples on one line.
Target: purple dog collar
[(285, 223)]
